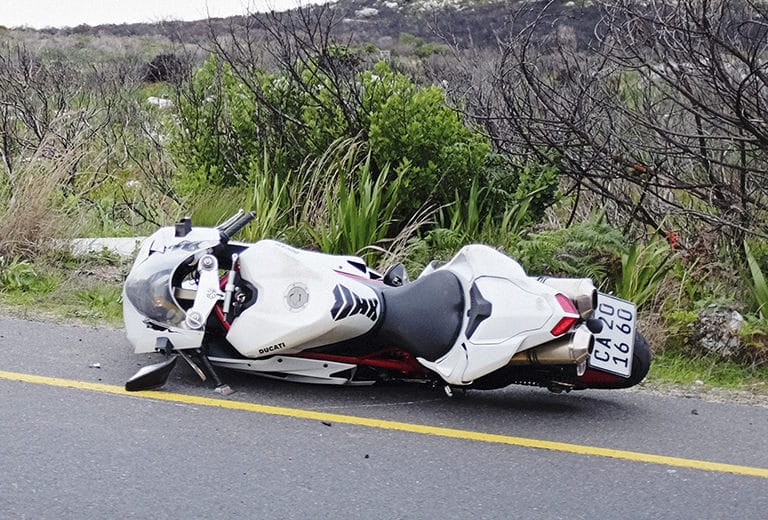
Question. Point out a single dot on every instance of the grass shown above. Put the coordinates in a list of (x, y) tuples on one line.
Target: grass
[(346, 206), (672, 366), (98, 302), (85, 290), (28, 214)]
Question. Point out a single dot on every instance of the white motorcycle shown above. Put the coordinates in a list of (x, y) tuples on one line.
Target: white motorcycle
[(477, 321)]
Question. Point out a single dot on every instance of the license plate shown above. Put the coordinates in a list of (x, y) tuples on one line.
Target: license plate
[(615, 343)]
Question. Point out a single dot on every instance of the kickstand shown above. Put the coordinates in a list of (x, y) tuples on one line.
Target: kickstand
[(221, 388), (192, 364)]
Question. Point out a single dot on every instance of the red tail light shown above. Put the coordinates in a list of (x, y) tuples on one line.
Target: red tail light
[(565, 324)]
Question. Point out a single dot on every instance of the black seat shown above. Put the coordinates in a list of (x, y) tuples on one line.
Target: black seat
[(423, 317)]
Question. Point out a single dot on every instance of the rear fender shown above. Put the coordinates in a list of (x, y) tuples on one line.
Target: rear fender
[(520, 313)]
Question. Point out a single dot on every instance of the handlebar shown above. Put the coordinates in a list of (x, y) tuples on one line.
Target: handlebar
[(229, 230)]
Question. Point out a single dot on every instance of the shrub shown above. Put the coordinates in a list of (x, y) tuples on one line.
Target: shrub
[(412, 127), (164, 67), (227, 121), (590, 249), (216, 137), (511, 183)]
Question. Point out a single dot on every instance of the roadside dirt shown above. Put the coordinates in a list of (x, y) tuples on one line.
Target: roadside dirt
[(755, 396)]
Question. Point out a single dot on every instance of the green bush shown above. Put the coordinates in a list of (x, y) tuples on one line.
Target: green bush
[(18, 275), (412, 127), (590, 249), (420, 47), (226, 122), (509, 183), (215, 137)]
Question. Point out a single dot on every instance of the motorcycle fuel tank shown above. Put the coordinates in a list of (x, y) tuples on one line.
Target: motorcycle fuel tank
[(304, 300)]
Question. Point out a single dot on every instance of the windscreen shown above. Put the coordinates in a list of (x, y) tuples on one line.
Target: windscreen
[(148, 286)]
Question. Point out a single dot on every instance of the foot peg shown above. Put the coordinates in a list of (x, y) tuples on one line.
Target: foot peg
[(224, 390)]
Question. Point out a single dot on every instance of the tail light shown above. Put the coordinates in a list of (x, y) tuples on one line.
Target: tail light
[(565, 324)]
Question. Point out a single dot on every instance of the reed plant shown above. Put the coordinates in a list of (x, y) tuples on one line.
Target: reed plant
[(644, 268), (347, 206), (272, 196), (470, 219), (759, 286)]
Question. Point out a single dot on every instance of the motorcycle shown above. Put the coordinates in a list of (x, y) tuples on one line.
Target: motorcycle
[(477, 321)]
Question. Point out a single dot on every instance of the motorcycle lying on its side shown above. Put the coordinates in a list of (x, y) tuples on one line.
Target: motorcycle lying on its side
[(477, 321)]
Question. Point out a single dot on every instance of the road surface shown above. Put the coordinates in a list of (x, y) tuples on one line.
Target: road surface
[(73, 444)]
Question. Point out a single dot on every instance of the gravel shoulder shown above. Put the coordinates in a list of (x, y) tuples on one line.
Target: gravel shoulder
[(757, 396)]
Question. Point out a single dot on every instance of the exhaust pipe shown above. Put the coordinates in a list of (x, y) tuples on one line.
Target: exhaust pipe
[(571, 349)]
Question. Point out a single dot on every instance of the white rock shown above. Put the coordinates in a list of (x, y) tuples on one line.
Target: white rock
[(159, 102), (126, 247), (366, 12)]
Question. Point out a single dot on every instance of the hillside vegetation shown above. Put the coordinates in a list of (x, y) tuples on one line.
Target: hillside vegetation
[(615, 140)]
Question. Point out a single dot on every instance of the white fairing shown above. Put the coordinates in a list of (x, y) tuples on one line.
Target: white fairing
[(139, 332), (305, 299), (523, 313), (297, 292), (144, 338)]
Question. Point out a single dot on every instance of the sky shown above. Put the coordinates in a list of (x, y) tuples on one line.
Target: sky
[(70, 13)]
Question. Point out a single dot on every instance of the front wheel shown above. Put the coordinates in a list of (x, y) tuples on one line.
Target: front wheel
[(641, 363)]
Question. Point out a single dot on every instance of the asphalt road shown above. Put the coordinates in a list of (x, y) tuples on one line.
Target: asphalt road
[(72, 445)]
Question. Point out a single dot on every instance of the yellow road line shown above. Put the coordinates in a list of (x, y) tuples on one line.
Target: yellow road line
[(394, 425)]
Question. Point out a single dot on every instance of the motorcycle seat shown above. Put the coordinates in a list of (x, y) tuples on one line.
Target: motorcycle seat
[(424, 317)]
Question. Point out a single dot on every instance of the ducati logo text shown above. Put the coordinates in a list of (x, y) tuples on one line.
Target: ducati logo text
[(272, 348), (349, 304)]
